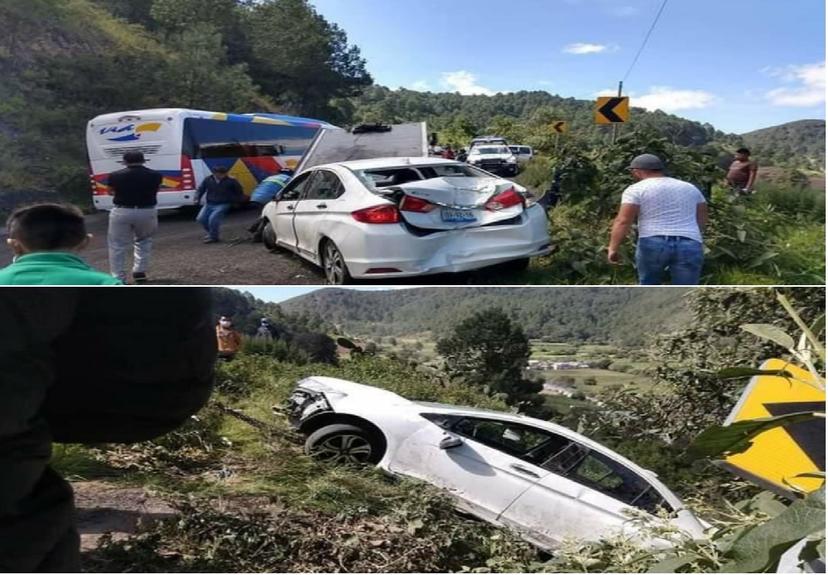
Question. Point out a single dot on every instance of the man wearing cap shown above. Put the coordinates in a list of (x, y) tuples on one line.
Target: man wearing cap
[(134, 218), (220, 192), (671, 216)]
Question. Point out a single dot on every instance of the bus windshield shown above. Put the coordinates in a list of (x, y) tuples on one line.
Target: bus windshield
[(205, 138)]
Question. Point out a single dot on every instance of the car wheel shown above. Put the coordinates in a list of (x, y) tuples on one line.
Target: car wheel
[(343, 444), (336, 271), (269, 236)]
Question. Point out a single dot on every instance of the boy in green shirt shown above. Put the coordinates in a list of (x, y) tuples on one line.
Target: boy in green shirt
[(45, 239)]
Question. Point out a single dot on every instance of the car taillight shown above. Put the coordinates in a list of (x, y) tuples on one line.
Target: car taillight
[(385, 214), (412, 204), (504, 200), (187, 181)]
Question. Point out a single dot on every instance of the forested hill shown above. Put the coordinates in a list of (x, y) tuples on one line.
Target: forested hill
[(501, 114), (64, 62), (801, 139), (618, 315)]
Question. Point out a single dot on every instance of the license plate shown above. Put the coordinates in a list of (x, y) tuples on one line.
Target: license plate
[(454, 215)]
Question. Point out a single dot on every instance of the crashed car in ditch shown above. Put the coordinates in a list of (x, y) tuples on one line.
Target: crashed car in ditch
[(402, 217), (540, 479)]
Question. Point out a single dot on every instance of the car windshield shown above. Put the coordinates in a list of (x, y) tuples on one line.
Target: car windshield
[(492, 150), (378, 178)]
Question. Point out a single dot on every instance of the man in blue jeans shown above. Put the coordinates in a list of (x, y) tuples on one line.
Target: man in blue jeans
[(671, 216), (221, 193)]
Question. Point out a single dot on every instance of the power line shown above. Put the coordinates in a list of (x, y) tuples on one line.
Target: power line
[(646, 39)]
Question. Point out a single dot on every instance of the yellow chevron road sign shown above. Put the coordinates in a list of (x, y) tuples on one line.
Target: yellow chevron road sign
[(778, 458)]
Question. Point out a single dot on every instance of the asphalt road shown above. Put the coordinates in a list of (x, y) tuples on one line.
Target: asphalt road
[(180, 258)]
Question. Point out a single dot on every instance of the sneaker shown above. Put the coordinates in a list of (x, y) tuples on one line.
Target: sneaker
[(139, 277), (211, 241)]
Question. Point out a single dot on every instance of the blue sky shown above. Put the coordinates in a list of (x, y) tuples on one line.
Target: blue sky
[(738, 64)]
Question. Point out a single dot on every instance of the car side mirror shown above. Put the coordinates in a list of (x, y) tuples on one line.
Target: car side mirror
[(450, 442)]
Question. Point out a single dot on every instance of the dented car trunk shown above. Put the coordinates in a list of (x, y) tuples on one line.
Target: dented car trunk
[(457, 202)]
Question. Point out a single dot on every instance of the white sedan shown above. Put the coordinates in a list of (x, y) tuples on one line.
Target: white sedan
[(402, 217), (543, 480)]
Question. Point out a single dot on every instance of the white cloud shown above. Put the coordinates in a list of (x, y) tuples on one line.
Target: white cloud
[(806, 86), (587, 48), (465, 83), (669, 99)]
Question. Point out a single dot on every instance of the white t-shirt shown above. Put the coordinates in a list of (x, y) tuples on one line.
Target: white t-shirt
[(667, 207)]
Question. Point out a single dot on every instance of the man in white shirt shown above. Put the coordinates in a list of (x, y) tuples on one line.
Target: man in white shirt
[(671, 216)]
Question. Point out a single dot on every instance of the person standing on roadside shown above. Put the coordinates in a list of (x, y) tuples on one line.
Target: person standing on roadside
[(741, 176), (220, 192), (228, 339), (133, 219), (671, 216)]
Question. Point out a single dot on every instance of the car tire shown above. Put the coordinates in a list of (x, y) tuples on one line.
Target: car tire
[(269, 236), (333, 264), (344, 444)]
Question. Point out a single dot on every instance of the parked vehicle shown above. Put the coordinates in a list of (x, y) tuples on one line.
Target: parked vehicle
[(495, 158), (184, 145), (543, 480), (488, 141), (402, 217), (522, 153)]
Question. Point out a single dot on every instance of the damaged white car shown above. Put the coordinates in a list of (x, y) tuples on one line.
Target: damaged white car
[(543, 480), (402, 217)]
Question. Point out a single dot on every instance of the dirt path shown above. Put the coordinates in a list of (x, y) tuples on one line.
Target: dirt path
[(106, 508), (180, 258)]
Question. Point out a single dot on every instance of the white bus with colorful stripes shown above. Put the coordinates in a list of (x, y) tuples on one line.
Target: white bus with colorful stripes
[(185, 145)]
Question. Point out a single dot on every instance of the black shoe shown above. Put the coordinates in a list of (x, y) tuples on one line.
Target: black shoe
[(139, 277)]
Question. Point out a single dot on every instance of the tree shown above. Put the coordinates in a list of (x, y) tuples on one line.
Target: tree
[(318, 346), (489, 351), (302, 60), (198, 75)]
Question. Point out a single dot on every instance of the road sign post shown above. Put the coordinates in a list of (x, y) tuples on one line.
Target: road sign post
[(613, 110)]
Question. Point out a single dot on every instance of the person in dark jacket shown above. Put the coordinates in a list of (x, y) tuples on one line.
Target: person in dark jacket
[(133, 219), (85, 365), (220, 192)]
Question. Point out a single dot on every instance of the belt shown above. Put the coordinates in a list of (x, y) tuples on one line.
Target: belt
[(135, 207), (674, 238)]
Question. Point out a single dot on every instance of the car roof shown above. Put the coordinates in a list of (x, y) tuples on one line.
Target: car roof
[(376, 163)]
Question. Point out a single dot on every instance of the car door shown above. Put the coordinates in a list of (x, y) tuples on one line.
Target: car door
[(286, 210), (319, 202), (586, 495), (482, 468)]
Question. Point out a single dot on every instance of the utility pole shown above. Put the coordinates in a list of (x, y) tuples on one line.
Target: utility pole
[(615, 126)]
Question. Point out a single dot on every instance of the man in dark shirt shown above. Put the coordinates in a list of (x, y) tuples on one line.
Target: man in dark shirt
[(221, 193), (134, 218), (741, 176)]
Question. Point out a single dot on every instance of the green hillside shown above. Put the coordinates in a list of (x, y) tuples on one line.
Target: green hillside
[(556, 314), (800, 143)]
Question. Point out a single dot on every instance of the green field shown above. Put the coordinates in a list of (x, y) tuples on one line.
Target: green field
[(603, 378)]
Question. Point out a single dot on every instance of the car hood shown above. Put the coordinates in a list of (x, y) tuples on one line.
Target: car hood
[(335, 389)]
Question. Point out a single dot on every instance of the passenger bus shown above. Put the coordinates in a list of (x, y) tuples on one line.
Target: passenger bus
[(185, 145)]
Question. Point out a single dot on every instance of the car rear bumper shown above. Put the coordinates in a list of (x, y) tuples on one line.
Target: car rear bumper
[(383, 250)]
